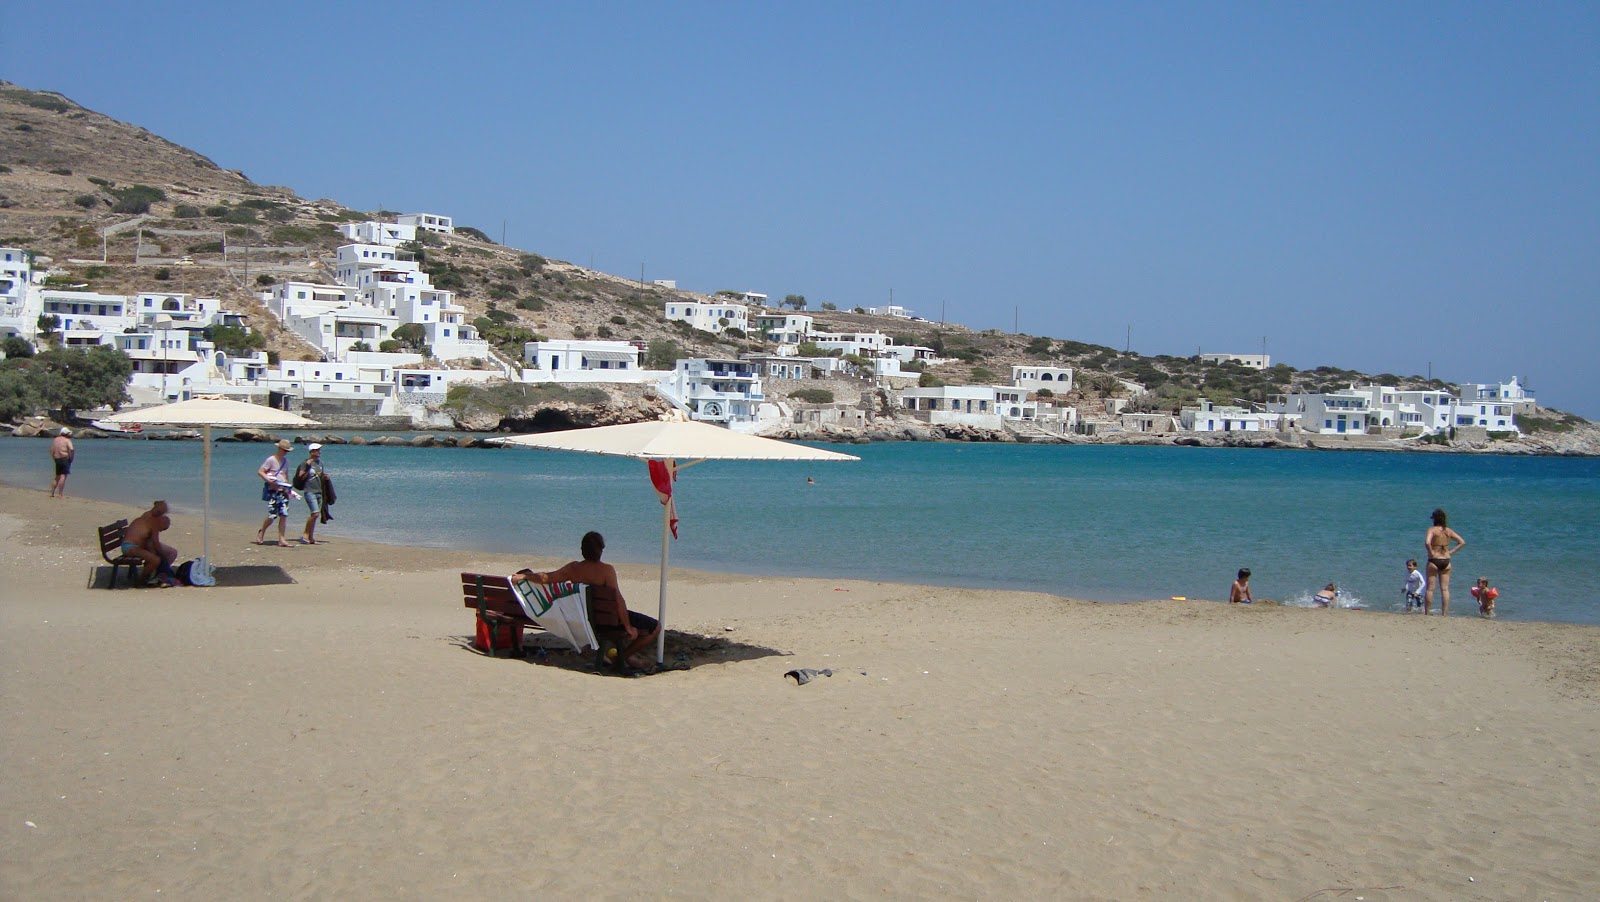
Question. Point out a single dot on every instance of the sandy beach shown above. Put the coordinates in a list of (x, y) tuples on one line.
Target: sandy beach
[(320, 728)]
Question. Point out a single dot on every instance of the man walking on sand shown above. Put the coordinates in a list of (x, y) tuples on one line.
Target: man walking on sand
[(61, 452), (275, 492)]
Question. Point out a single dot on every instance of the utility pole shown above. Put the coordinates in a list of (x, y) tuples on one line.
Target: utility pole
[(941, 312), (502, 233), (1128, 348)]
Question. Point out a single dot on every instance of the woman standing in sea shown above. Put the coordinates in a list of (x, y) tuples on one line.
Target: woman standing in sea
[(1437, 541)]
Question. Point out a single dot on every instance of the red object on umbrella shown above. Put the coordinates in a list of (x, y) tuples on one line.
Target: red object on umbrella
[(662, 472)]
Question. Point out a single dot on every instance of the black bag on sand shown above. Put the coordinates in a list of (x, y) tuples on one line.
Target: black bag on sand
[(183, 572)]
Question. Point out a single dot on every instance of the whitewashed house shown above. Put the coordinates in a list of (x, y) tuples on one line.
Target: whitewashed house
[(1513, 393), (709, 316), (1252, 361), (389, 234), (1056, 378), (1012, 403), (150, 308), (88, 311), (716, 390), (609, 362), (1212, 417), (428, 222), (784, 328), (19, 303), (971, 405), (1326, 413), (167, 361), (894, 310)]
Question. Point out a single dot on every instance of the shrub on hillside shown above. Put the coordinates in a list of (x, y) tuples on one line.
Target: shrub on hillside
[(812, 395), (186, 211), (135, 198), (86, 201)]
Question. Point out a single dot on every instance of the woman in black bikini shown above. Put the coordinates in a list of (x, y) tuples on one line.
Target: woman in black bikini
[(1438, 540)]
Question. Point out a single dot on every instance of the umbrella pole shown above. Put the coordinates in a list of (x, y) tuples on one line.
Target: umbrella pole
[(661, 611), (205, 528)]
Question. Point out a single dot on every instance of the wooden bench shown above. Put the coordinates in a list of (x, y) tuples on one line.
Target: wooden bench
[(111, 549), (501, 620)]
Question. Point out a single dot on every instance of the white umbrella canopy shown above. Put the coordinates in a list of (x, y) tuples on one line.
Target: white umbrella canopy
[(682, 442), (205, 413)]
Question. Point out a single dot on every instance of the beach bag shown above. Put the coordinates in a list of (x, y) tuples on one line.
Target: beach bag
[(266, 491), (302, 473), (196, 573)]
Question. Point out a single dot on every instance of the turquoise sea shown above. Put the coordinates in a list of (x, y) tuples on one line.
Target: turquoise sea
[(1098, 522)]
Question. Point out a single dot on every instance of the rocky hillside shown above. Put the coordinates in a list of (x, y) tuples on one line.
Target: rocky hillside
[(84, 190)]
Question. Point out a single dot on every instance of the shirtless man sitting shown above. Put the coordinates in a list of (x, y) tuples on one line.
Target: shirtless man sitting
[(142, 539), (641, 629)]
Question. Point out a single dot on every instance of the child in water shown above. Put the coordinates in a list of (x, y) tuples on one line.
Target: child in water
[(1415, 585), (1486, 594), (1326, 598), (1240, 593)]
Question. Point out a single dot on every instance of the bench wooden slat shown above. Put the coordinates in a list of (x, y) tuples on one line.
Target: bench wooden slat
[(111, 549)]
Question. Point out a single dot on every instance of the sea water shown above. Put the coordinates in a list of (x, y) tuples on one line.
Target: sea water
[(1099, 522)]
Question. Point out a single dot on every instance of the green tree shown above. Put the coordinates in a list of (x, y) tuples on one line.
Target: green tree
[(72, 379), (829, 305), (412, 335), (662, 354), (17, 396), (48, 324), (16, 348), (797, 301), (234, 340)]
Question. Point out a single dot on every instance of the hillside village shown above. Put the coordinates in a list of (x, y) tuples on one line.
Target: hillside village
[(212, 285)]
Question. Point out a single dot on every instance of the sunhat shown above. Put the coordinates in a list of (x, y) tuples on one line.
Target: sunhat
[(283, 444)]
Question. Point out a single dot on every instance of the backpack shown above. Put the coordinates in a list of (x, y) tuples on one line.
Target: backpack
[(302, 473)]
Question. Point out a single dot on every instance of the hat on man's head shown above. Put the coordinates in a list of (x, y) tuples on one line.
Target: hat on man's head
[(65, 431), (314, 446), (283, 444)]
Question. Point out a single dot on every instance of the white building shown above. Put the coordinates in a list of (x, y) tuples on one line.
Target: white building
[(894, 310), (167, 361), (428, 222), (379, 289), (1056, 378), (1211, 417), (709, 316), (1252, 361), (1513, 393), (862, 344), (971, 405), (388, 234), (716, 390), (784, 328), (88, 311), (19, 307), (573, 356), (1012, 403), (151, 308), (1327, 413)]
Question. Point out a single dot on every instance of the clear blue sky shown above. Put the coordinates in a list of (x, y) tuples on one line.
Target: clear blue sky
[(1372, 185)]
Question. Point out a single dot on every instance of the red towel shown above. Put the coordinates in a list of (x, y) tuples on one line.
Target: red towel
[(662, 472)]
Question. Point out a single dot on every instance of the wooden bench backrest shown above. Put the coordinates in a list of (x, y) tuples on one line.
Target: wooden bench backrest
[(497, 594), (499, 598), (602, 607), (111, 539)]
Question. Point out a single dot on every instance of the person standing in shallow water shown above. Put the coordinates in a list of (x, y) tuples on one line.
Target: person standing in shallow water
[(61, 454), (1437, 541)]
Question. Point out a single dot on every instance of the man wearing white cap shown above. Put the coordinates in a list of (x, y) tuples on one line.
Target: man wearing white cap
[(62, 452), (308, 477)]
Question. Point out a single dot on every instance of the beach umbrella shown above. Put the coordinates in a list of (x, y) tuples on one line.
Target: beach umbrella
[(671, 446), (204, 413)]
